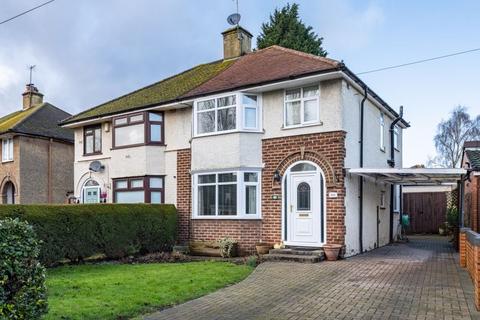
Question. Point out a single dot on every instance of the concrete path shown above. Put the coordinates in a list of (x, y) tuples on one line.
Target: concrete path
[(417, 280)]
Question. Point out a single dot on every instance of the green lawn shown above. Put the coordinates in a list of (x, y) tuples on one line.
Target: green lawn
[(121, 291)]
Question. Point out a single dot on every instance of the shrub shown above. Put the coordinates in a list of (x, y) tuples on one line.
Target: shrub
[(227, 247), (22, 278), (452, 217), (75, 232)]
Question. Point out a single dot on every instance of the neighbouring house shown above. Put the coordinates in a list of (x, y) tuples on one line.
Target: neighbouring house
[(471, 186), (256, 146), (37, 154)]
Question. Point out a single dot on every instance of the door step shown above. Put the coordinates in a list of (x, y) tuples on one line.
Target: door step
[(295, 254)]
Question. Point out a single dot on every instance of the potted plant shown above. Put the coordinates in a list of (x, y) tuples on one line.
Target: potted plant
[(332, 251), (442, 229), (263, 248), (228, 247)]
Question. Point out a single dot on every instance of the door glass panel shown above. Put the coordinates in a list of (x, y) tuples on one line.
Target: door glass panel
[(303, 167), (303, 196)]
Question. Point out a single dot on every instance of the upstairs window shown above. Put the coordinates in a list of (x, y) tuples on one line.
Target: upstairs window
[(7, 149), (92, 137), (382, 131), (301, 106), (138, 129), (396, 134), (227, 113)]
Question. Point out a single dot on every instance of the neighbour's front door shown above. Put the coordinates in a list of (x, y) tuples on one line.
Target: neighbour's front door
[(91, 195), (304, 209)]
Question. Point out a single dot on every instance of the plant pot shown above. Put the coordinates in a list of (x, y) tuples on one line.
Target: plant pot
[(332, 251), (263, 248)]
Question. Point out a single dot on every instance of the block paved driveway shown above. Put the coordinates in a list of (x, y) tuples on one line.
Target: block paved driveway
[(416, 280)]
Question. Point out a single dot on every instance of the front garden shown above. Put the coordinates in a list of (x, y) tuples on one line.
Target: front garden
[(122, 291), (94, 255)]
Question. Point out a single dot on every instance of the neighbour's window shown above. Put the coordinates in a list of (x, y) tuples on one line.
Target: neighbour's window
[(395, 138), (7, 149), (130, 130), (148, 189), (382, 131), (224, 114), (92, 137), (227, 194), (301, 106)]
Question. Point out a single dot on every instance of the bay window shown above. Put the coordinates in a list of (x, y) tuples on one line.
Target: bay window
[(138, 129), (147, 189), (233, 194), (301, 106), (7, 149), (227, 113)]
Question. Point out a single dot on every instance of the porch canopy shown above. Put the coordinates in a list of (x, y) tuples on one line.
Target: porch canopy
[(411, 176)]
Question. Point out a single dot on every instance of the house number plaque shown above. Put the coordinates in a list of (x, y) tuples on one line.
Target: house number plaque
[(332, 195)]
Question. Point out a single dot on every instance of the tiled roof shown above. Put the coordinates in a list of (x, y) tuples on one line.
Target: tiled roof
[(267, 65), (41, 120), (271, 64), (163, 91), (474, 158)]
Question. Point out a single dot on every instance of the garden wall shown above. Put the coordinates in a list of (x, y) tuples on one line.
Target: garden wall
[(469, 250), (113, 231)]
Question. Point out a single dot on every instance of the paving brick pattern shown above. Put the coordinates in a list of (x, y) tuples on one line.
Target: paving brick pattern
[(417, 280)]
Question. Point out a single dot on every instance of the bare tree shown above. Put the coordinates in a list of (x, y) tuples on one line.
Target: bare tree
[(451, 135)]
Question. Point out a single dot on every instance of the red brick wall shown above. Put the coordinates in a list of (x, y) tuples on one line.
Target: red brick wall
[(183, 194), (325, 149)]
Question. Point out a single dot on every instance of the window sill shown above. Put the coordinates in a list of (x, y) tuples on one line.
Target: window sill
[(139, 145), (7, 161), (313, 124), (225, 218), (92, 154), (226, 132)]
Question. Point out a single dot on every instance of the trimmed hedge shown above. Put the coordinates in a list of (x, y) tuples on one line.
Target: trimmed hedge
[(76, 232)]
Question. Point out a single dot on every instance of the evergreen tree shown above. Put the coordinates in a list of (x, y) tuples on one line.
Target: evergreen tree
[(287, 30)]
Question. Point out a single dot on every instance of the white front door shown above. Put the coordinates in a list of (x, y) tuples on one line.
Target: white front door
[(304, 210)]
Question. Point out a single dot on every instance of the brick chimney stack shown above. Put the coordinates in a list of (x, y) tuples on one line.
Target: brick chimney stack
[(31, 97), (236, 42)]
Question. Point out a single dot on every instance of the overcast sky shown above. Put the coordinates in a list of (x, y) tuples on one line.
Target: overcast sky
[(90, 51)]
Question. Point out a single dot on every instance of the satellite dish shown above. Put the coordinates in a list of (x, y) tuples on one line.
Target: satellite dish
[(96, 166), (233, 19)]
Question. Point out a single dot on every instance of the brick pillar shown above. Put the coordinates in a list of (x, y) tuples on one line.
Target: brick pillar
[(463, 248), (184, 195)]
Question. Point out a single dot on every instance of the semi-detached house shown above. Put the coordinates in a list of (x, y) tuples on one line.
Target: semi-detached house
[(255, 146)]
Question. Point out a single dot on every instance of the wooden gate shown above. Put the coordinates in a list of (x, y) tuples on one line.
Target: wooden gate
[(427, 210)]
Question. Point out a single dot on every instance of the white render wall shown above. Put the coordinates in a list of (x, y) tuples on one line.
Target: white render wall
[(373, 158)]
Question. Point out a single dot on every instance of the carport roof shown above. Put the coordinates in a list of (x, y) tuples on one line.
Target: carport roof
[(411, 176)]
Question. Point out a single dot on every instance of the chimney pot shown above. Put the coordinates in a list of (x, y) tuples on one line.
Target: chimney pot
[(31, 97), (237, 41)]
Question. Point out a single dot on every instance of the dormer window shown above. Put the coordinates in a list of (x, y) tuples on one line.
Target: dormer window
[(226, 114)]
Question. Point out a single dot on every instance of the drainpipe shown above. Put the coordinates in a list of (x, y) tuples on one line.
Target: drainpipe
[(391, 162), (49, 181), (360, 187)]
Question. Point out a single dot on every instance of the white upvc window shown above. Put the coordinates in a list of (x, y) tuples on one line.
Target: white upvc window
[(396, 134), (7, 149), (382, 131), (227, 195), (227, 113), (302, 106)]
